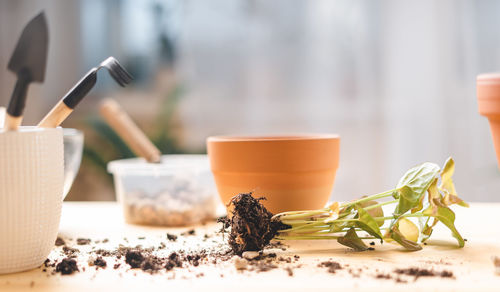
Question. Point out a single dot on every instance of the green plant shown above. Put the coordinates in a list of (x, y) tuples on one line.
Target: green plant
[(344, 221)]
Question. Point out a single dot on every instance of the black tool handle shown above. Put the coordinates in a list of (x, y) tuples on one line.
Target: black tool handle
[(80, 90), (18, 98)]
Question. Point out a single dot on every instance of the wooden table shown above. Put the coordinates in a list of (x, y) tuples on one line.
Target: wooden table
[(472, 266)]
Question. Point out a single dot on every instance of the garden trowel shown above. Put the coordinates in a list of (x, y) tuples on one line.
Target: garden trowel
[(28, 62)]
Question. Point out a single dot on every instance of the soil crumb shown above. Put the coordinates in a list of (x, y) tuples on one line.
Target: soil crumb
[(82, 241), (100, 262), (421, 272), (70, 252), (171, 237), (67, 266), (331, 265), (134, 258), (60, 241)]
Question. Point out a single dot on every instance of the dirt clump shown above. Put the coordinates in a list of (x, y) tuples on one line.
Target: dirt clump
[(67, 266), (252, 226), (331, 265)]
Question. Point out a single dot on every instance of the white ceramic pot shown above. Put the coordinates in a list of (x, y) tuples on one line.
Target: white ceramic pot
[(31, 193)]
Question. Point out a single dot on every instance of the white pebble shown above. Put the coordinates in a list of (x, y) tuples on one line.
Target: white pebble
[(250, 255), (239, 263)]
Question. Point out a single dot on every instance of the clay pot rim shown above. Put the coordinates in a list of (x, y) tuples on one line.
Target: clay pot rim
[(492, 77), (272, 138)]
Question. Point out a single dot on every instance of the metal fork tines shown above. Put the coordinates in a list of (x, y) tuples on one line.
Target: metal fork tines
[(119, 74)]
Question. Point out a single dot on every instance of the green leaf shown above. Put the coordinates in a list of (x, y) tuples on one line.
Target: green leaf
[(351, 239), (374, 212), (344, 214), (400, 238), (408, 229), (447, 217), (413, 185), (367, 223), (426, 228), (448, 187)]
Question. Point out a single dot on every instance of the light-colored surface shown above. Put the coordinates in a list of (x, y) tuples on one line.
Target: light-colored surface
[(472, 265), (31, 185)]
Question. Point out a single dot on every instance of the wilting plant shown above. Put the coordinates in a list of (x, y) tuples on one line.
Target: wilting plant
[(425, 192)]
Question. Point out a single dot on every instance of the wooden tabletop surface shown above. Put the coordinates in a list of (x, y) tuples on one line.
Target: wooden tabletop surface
[(471, 266)]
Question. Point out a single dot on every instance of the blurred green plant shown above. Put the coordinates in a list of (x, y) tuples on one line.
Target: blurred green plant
[(109, 146)]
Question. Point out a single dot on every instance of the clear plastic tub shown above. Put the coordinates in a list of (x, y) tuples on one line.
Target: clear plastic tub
[(179, 191)]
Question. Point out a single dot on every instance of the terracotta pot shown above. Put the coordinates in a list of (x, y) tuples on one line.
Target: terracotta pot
[(488, 97), (292, 172)]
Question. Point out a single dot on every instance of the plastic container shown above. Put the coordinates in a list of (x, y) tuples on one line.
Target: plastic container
[(179, 191)]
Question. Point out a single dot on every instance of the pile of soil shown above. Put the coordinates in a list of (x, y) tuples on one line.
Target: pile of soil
[(251, 225)]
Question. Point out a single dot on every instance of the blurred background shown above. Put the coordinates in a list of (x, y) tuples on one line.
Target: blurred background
[(396, 79)]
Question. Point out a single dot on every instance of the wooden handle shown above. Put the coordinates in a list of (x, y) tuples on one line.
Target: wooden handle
[(12, 123), (56, 116), (119, 120)]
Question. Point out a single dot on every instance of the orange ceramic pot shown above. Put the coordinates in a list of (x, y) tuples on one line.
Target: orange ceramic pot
[(292, 172), (488, 98)]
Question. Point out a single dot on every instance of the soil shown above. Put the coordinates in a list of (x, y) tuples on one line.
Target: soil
[(422, 272), (171, 237), (251, 225), (82, 241), (60, 241), (169, 258), (100, 262), (70, 252), (331, 265), (134, 258), (67, 266)]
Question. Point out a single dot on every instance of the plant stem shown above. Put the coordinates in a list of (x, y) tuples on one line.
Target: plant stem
[(369, 198), (299, 215), (380, 204), (381, 218), (316, 237)]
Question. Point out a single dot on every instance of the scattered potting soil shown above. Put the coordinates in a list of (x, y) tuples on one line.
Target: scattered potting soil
[(60, 241), (70, 252), (134, 258), (67, 266), (331, 265), (82, 241), (100, 262), (251, 225), (189, 232), (383, 276), (422, 272), (171, 237), (174, 253)]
